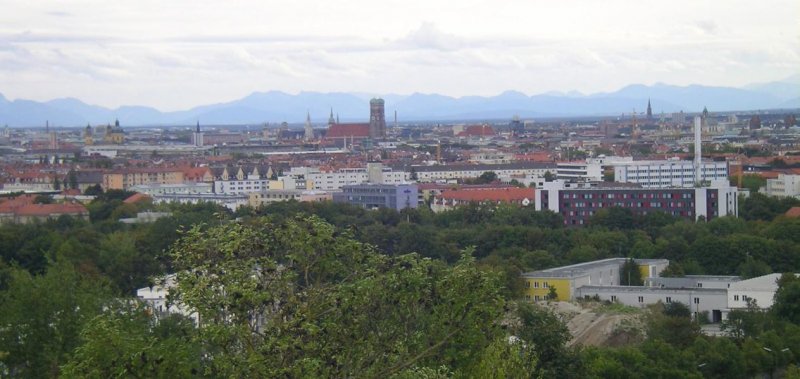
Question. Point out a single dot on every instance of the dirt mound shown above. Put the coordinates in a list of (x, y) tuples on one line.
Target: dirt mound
[(596, 324)]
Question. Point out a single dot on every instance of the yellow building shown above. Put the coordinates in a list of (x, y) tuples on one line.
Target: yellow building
[(563, 281), (133, 177), (114, 134), (88, 138)]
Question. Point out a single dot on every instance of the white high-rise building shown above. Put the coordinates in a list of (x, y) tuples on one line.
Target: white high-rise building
[(668, 173)]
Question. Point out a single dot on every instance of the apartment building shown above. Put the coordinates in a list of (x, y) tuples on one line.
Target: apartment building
[(578, 202)]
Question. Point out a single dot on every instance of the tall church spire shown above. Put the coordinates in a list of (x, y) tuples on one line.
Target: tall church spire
[(331, 120), (649, 110), (309, 131)]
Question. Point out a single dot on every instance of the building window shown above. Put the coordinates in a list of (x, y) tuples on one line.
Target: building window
[(697, 300), (699, 285), (545, 285), (613, 297), (535, 284), (669, 300), (641, 299), (735, 297), (536, 298)]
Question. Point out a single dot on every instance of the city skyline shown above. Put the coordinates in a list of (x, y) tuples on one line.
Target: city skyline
[(178, 55)]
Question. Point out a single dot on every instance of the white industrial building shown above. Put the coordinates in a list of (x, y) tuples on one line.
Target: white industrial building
[(335, 180), (714, 301), (785, 185), (231, 202), (711, 294), (573, 171), (761, 290), (182, 188), (668, 173), (443, 173)]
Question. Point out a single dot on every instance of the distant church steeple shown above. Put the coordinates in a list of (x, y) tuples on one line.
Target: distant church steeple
[(331, 120), (649, 110), (197, 136), (309, 131)]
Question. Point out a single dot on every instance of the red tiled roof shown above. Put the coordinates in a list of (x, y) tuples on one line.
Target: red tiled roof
[(8, 205), (348, 130), (793, 212), (505, 195), (191, 173), (135, 198), (477, 130), (50, 209)]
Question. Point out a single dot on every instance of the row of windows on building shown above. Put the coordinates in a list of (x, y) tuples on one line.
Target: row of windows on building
[(667, 299), (687, 213), (536, 284), (628, 196), (651, 204), (686, 170)]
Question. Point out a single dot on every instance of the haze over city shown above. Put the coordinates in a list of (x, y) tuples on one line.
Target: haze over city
[(176, 55)]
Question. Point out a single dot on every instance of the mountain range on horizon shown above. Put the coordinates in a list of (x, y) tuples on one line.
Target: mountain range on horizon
[(276, 106)]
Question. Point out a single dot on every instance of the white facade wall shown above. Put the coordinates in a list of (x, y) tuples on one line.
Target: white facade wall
[(156, 298), (231, 202), (333, 181), (761, 289), (783, 186), (238, 187), (660, 174), (160, 189), (697, 299), (693, 281), (580, 171), (446, 174)]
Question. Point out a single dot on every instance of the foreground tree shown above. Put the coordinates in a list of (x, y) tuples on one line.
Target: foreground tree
[(297, 299), (127, 341), (41, 318)]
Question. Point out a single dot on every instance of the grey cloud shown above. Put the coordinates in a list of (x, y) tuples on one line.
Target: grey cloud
[(58, 14), (707, 26), (429, 36)]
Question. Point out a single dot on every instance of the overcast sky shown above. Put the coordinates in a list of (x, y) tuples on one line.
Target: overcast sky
[(176, 54)]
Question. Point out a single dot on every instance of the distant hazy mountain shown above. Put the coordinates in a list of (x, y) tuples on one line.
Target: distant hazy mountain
[(786, 89), (275, 106)]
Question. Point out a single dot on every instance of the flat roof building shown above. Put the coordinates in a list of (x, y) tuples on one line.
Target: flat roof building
[(373, 196)]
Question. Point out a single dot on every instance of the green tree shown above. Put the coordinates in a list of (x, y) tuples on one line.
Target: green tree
[(672, 324), (127, 341), (42, 317), (542, 328), (300, 299), (486, 178), (43, 199), (742, 323), (787, 298), (505, 358), (629, 274), (72, 179), (552, 294), (613, 218), (95, 190)]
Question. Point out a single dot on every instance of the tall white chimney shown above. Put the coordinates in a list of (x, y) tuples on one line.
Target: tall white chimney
[(698, 153)]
